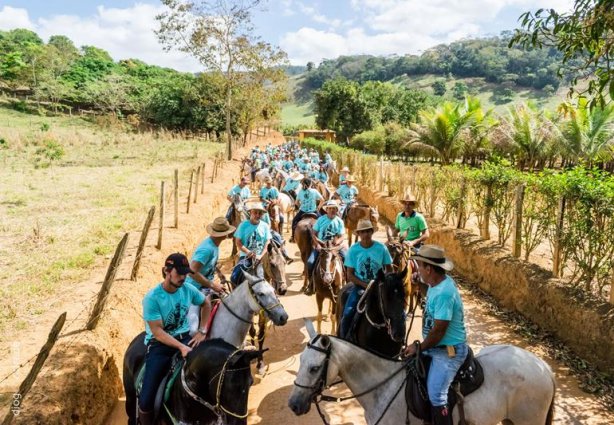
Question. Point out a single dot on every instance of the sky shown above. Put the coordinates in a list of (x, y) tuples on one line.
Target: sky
[(307, 30)]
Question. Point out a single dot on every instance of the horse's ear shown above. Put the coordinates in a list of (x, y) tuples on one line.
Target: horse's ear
[(325, 341), (250, 355), (250, 279), (404, 273), (311, 330)]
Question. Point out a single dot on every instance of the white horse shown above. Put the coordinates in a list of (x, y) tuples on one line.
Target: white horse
[(261, 175), (518, 386), (287, 206)]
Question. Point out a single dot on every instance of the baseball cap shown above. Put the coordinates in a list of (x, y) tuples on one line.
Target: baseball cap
[(179, 262)]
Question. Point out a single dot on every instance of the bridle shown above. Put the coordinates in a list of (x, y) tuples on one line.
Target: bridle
[(320, 384), (218, 409), (323, 270), (266, 308), (362, 308)]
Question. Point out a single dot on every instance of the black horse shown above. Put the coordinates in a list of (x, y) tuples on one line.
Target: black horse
[(379, 325), (214, 382)]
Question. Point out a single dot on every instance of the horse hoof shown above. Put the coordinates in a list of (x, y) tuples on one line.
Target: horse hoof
[(325, 318), (262, 369)]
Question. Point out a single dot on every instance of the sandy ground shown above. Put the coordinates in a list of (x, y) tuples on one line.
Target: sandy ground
[(269, 395)]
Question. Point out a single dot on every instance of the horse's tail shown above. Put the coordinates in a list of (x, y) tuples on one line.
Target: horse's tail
[(550, 415)]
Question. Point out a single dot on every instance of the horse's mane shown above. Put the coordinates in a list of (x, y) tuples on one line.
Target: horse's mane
[(364, 349)]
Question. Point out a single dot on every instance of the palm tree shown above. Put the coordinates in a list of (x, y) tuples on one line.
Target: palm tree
[(525, 134), (476, 137), (440, 131), (587, 135)]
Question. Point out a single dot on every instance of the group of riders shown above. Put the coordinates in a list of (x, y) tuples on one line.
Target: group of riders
[(177, 310)]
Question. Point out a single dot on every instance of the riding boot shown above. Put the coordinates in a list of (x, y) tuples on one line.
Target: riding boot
[(145, 418), (441, 415)]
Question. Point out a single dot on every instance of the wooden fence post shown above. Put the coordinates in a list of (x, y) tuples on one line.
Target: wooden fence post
[(161, 227), (413, 180), (556, 260), (108, 282), (381, 173), (176, 196), (460, 219), (214, 167), (202, 179), (141, 248), (517, 230), (27, 383), (485, 230), (190, 191), (196, 185), (432, 200)]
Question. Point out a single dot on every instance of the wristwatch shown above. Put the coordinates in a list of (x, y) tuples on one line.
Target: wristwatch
[(202, 331)]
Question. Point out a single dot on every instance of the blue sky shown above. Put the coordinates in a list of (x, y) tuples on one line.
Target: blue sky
[(306, 30)]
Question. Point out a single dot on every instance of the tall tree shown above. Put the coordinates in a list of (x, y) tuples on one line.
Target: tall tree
[(220, 35)]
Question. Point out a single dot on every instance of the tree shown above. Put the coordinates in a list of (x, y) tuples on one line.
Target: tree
[(220, 35), (310, 66), (460, 90), (587, 33), (439, 87)]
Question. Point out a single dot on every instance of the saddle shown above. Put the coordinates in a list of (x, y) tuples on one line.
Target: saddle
[(164, 389), (469, 378)]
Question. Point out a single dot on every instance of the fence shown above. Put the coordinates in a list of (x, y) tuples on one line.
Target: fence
[(567, 217)]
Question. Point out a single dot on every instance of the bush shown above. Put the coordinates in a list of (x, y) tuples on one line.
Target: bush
[(49, 152)]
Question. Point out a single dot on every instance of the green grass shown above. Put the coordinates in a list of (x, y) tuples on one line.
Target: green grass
[(61, 217), (297, 114)]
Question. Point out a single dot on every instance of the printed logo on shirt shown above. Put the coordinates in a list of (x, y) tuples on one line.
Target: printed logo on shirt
[(176, 319), (254, 243)]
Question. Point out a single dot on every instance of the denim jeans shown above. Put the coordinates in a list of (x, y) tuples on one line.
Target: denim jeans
[(236, 277), (442, 372), (350, 309), (157, 363)]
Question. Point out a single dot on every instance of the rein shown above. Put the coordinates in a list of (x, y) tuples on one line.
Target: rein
[(250, 291)]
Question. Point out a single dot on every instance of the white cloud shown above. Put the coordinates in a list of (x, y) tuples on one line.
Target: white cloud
[(124, 33), (308, 44), (317, 16)]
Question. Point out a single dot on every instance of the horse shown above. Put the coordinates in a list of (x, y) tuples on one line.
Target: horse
[(213, 385), (276, 215), (380, 314), (262, 174), (415, 291), (328, 278), (323, 190), (287, 207), (302, 236), (518, 387), (238, 215), (358, 212)]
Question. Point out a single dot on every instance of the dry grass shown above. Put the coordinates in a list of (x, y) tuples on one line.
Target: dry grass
[(61, 217)]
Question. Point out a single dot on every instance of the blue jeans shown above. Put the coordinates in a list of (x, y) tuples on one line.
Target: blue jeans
[(236, 277), (442, 372), (157, 363), (313, 258), (350, 309)]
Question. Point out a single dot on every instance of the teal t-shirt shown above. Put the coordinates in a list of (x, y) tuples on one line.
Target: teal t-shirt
[(327, 229), (308, 199), (207, 254), (367, 262), (245, 193), (322, 176), (269, 193), (443, 302), (347, 194), (172, 309), (414, 225), (305, 167), (288, 165), (291, 185), (253, 236)]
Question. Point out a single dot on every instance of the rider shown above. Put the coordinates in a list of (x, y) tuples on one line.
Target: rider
[(322, 175), (328, 227), (363, 261), (292, 184), (269, 192), (165, 310), (203, 263), (241, 189), (443, 329), (411, 224), (252, 238), (345, 171), (348, 193), (307, 198)]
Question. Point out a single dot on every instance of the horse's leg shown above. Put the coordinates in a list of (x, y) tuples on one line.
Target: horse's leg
[(319, 302), (252, 334), (262, 322), (333, 316), (409, 290)]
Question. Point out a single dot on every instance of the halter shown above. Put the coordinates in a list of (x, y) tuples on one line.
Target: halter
[(218, 409), (267, 309), (320, 384)]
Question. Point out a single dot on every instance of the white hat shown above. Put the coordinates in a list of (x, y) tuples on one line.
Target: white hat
[(364, 225)]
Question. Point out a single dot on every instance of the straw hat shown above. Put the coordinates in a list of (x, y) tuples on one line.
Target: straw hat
[(255, 206), (268, 179), (296, 176), (435, 255), (350, 178), (331, 204), (220, 227), (409, 198), (345, 169), (364, 225)]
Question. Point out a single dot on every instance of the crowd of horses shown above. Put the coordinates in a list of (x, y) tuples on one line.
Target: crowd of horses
[(211, 385)]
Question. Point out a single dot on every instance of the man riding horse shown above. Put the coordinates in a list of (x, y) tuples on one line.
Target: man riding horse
[(292, 184), (348, 194), (443, 329), (328, 227), (307, 199), (241, 189), (411, 224)]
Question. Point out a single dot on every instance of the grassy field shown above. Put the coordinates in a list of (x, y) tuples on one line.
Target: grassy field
[(69, 190), (297, 114)]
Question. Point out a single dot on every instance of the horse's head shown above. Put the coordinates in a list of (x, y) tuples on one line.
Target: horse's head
[(220, 374), (274, 210), (277, 268), (328, 263), (314, 374), (263, 297), (391, 288), (374, 216)]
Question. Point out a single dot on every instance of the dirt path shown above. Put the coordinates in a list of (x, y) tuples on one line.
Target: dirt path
[(269, 395)]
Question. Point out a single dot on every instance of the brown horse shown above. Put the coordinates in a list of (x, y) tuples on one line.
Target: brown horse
[(328, 279), (275, 214), (302, 236), (238, 215), (358, 212), (400, 254), (323, 189)]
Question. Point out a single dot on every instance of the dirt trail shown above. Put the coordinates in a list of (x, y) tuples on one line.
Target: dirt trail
[(269, 395)]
